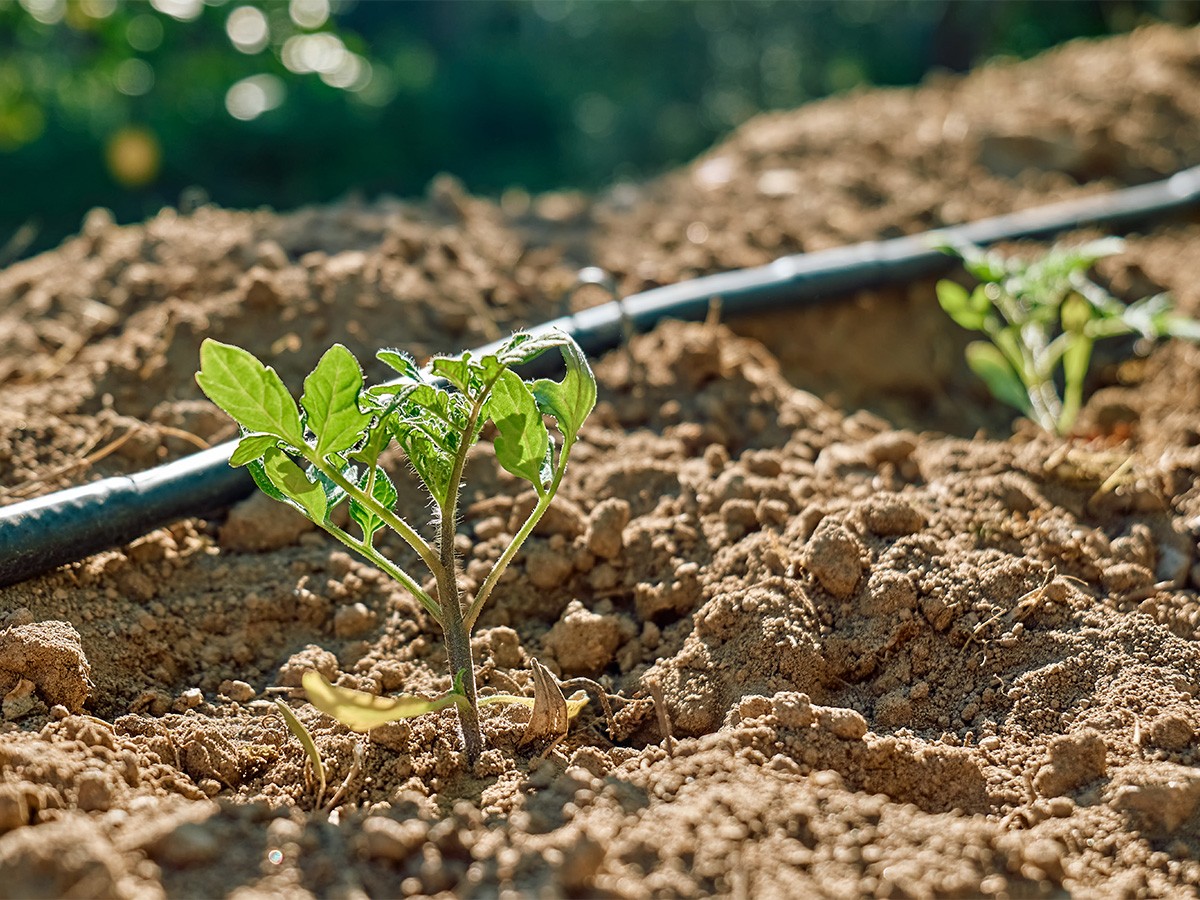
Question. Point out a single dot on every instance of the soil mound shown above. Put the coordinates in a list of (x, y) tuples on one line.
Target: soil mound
[(895, 656)]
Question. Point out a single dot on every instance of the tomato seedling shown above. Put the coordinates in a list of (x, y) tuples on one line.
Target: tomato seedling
[(338, 434), (1045, 316)]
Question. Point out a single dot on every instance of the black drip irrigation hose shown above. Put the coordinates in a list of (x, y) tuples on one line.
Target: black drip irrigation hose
[(41, 534)]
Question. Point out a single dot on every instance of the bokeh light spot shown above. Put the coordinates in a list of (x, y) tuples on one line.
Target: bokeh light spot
[(134, 77), (98, 9), (144, 32), (248, 29), (309, 13), (275, 857), (48, 12), (183, 10), (134, 157), (595, 115), (253, 96)]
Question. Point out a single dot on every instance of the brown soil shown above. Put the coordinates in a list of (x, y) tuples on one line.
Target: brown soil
[(899, 657)]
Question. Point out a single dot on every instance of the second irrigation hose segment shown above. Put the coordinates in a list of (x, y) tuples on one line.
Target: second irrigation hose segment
[(39, 535)]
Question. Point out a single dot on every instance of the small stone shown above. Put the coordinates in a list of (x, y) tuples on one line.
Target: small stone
[(189, 844), (237, 691), (892, 517), (890, 447), (311, 657), (889, 591), (353, 620), (505, 645), (191, 698), (847, 724), (50, 654), (1164, 805), (1170, 732), (582, 641), (546, 568), (1045, 856), (1071, 762), (384, 838), (740, 514), (835, 556), (562, 517), (606, 526), (95, 792), (259, 524)]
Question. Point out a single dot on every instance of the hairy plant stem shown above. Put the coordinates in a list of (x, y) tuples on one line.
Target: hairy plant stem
[(454, 625)]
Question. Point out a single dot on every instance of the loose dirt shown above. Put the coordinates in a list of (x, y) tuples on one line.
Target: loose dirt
[(903, 647)]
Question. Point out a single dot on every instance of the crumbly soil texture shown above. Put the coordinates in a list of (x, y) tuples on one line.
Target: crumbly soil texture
[(866, 635)]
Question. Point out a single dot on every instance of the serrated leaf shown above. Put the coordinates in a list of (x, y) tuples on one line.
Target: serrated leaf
[(522, 442), (290, 481), (248, 391), (383, 492), (989, 363), (251, 447), (360, 711), (331, 401), (457, 371), (571, 400)]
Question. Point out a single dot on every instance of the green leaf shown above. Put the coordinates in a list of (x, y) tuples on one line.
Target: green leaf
[(383, 492), (360, 711), (259, 473), (251, 447), (333, 493), (373, 447), (248, 391), (400, 362), (1075, 361), (457, 371), (964, 308), (522, 442), (571, 400), (290, 481), (989, 363), (523, 347), (331, 401)]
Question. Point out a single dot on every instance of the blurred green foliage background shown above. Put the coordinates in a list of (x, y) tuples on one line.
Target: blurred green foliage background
[(130, 103)]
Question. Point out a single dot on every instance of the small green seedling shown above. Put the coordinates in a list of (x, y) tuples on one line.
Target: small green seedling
[(296, 727), (1043, 318), (328, 451)]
